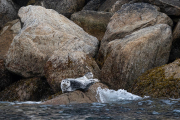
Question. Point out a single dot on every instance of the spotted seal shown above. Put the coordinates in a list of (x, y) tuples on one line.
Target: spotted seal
[(82, 83)]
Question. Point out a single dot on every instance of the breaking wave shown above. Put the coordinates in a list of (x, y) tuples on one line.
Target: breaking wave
[(108, 95)]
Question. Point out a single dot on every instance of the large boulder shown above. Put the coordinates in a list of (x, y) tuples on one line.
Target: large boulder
[(170, 7), (45, 31), (64, 7), (9, 31), (66, 64), (162, 81), (133, 55), (8, 12), (33, 89), (92, 22), (77, 96), (93, 5), (130, 18)]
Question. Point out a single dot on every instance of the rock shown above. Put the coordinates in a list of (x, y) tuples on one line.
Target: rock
[(92, 92), (118, 4), (8, 12), (45, 31), (175, 49), (133, 55), (33, 89), (170, 7), (5, 77), (77, 96), (93, 5), (9, 31), (66, 64), (92, 22), (162, 81), (107, 5), (64, 7), (69, 98), (130, 18)]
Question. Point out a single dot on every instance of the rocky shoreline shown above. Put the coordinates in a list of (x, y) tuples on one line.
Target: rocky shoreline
[(126, 44)]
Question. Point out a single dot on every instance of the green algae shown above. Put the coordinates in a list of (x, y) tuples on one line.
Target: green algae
[(154, 83)]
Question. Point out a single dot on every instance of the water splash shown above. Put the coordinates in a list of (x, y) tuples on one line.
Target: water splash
[(108, 95)]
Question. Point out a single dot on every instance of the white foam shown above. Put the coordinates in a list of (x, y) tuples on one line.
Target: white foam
[(108, 95), (26, 102)]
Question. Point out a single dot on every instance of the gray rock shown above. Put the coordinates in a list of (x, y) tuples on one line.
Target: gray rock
[(45, 31), (8, 12), (136, 53), (130, 18), (93, 5), (93, 22), (64, 7)]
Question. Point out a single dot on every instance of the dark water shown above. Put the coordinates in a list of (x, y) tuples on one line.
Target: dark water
[(147, 109)]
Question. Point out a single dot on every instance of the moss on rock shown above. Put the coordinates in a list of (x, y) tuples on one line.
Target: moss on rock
[(158, 82)]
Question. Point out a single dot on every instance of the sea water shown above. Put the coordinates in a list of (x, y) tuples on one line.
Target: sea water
[(112, 105)]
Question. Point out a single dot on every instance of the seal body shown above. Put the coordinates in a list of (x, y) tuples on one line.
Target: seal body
[(82, 83)]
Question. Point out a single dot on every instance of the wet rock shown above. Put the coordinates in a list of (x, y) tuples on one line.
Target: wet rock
[(45, 31), (92, 92), (92, 22), (133, 55), (5, 77), (64, 7), (170, 7), (162, 81), (69, 98), (8, 12), (33, 89), (77, 96), (130, 18), (9, 31), (67, 64), (93, 5)]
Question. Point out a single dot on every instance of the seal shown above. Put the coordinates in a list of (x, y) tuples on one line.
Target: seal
[(82, 83)]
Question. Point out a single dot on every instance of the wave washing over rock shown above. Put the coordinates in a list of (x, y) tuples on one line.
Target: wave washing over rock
[(109, 95)]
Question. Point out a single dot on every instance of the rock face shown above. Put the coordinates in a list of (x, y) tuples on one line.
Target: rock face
[(92, 22), (128, 19), (77, 96), (5, 77), (131, 56), (64, 7), (9, 31), (162, 81), (33, 89), (170, 7), (65, 64), (8, 12), (93, 5), (45, 31)]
